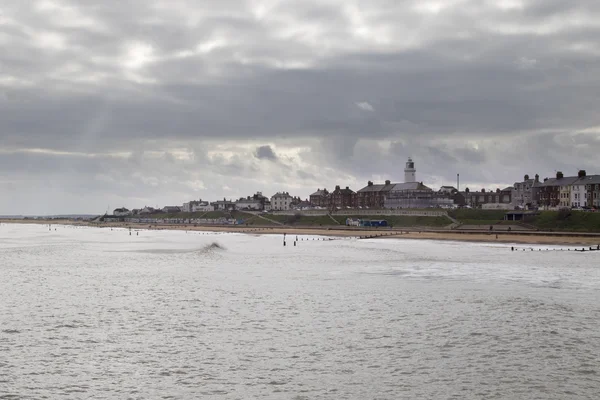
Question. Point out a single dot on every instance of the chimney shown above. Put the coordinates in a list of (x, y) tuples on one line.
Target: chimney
[(526, 177), (545, 179), (467, 190), (388, 182), (337, 187), (559, 175), (347, 187), (482, 190), (537, 178), (581, 173), (369, 183), (497, 190)]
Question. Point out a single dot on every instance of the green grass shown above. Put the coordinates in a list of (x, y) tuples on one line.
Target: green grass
[(304, 220), (471, 214), (182, 215), (569, 221)]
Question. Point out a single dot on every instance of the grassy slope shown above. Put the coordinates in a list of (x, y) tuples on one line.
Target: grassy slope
[(466, 214), (574, 221), (312, 220)]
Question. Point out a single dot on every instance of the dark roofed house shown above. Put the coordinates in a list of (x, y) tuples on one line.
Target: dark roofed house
[(343, 198), (121, 212), (592, 190), (224, 205), (171, 209), (553, 192), (490, 199), (320, 198), (373, 196)]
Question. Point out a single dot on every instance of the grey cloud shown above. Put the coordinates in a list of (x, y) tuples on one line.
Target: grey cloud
[(265, 153), (519, 83)]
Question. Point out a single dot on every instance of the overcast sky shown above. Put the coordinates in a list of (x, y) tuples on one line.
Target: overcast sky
[(155, 102)]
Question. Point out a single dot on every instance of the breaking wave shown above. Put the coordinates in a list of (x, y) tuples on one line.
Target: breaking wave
[(214, 246)]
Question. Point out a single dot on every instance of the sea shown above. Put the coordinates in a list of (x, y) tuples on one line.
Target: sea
[(100, 313)]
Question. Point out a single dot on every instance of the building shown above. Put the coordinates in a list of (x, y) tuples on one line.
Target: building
[(148, 210), (556, 192), (202, 206), (223, 205), (500, 199), (267, 205), (249, 203), (281, 201), (171, 209), (373, 196), (320, 198), (410, 194), (578, 191), (196, 206), (187, 207), (342, 198), (592, 190), (262, 199), (416, 195), (121, 212), (525, 194)]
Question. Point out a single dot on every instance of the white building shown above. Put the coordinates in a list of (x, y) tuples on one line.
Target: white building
[(249, 204), (224, 205), (197, 206), (281, 201), (579, 195), (203, 206), (410, 173)]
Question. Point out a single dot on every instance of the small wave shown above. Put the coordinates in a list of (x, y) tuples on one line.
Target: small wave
[(212, 247), (71, 326), (10, 331)]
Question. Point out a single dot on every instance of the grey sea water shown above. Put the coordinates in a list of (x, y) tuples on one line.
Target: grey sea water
[(88, 313)]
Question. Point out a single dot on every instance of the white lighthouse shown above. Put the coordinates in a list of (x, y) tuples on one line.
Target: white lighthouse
[(410, 172)]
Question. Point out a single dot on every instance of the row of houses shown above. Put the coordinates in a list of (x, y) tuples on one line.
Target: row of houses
[(410, 194), (281, 201), (551, 193), (581, 191)]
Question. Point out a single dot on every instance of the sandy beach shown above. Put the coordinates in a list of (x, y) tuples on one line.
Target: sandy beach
[(553, 238)]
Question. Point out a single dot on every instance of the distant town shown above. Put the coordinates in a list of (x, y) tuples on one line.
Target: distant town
[(575, 192)]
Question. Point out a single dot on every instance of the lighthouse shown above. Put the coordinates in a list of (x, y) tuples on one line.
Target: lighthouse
[(410, 171)]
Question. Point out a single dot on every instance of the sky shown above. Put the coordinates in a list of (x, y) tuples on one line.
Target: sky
[(140, 103)]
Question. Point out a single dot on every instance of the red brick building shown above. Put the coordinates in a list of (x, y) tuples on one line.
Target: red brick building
[(373, 196), (320, 198), (343, 198)]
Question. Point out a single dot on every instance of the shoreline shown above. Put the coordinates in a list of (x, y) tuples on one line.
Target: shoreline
[(522, 237)]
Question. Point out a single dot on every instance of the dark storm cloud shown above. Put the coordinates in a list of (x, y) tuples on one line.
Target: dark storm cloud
[(342, 93), (265, 153)]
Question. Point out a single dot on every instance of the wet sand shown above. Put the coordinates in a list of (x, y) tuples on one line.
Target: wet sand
[(553, 238)]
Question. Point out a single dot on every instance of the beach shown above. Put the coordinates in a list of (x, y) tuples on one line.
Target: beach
[(523, 237)]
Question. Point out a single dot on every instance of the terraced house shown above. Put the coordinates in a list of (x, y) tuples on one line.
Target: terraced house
[(578, 191), (526, 193), (592, 188), (373, 196), (320, 198), (556, 192), (343, 198)]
